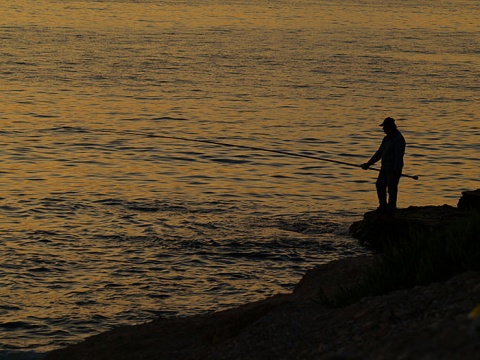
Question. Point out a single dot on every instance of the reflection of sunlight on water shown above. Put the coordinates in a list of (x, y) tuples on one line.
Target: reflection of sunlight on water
[(103, 221), (116, 261)]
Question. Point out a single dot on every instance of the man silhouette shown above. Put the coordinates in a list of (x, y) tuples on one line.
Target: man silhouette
[(391, 152)]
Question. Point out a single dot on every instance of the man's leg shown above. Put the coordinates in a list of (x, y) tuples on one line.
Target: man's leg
[(392, 184), (381, 186)]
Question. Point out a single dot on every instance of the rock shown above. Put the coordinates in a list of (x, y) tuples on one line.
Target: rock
[(424, 322), (377, 230), (470, 200), (326, 278)]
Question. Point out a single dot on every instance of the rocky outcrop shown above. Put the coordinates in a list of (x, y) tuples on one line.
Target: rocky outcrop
[(376, 230), (470, 200), (425, 322)]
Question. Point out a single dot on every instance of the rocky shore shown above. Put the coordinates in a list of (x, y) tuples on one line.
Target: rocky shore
[(376, 230), (434, 321)]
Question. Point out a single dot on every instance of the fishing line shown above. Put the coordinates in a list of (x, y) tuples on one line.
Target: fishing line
[(281, 152)]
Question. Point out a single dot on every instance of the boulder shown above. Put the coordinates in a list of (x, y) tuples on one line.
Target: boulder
[(470, 200), (376, 230)]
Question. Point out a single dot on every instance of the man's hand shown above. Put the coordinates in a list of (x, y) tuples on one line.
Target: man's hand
[(365, 166)]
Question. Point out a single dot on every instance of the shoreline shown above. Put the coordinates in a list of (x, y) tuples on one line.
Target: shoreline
[(416, 322)]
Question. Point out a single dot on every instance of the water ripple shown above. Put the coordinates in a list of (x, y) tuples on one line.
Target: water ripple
[(104, 222)]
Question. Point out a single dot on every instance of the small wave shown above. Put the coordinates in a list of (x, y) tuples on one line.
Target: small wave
[(8, 208), (14, 325), (43, 116), (73, 129), (167, 118), (39, 269), (228, 161)]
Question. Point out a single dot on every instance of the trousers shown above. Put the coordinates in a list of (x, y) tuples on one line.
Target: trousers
[(387, 181)]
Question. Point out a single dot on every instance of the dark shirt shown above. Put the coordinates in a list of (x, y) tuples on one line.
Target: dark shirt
[(391, 152)]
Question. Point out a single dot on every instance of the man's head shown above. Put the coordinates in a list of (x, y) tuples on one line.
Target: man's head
[(388, 125)]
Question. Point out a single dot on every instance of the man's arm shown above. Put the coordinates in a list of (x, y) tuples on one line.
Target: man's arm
[(377, 156)]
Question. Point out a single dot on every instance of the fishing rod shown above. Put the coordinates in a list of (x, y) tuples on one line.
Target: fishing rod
[(287, 153)]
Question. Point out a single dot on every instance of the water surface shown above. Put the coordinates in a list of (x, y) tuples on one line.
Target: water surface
[(104, 223)]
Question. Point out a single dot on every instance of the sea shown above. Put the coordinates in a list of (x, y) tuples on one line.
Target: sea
[(111, 213)]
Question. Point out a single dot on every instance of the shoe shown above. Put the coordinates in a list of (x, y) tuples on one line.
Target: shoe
[(379, 210), (391, 210)]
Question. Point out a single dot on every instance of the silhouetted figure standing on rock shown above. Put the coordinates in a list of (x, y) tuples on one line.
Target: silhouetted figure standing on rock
[(391, 152)]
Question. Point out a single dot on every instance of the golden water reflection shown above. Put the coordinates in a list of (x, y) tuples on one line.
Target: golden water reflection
[(104, 221)]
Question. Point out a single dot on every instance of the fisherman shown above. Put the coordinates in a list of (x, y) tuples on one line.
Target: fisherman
[(391, 152)]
